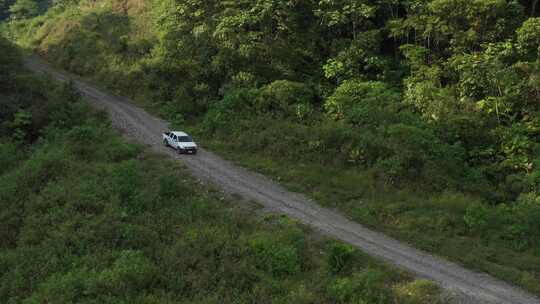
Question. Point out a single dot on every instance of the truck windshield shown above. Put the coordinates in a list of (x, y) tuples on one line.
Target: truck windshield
[(184, 139)]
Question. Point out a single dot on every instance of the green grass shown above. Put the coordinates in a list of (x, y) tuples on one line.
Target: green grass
[(431, 222)]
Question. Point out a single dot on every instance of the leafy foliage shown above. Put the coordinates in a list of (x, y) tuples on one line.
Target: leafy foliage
[(22, 9), (284, 96), (366, 104), (86, 217), (435, 98), (340, 257)]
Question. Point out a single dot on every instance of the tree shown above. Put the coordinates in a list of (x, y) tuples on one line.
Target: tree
[(346, 16), (9, 65), (462, 25), (362, 59), (366, 103), (528, 37), (23, 9), (4, 9), (283, 96)]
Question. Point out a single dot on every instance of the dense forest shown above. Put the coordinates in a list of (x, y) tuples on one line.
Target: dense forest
[(417, 117), (87, 218)]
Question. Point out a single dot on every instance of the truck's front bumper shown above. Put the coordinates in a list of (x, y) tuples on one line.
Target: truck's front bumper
[(187, 150)]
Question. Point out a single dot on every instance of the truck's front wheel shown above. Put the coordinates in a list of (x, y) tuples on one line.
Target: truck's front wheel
[(165, 143)]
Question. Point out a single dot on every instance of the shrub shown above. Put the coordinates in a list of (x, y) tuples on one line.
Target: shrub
[(8, 156), (342, 290), (131, 273), (408, 151), (276, 258), (418, 292), (283, 96), (365, 103), (304, 111), (10, 63), (170, 187), (233, 106), (477, 218), (243, 80), (83, 135), (302, 295), (44, 166), (22, 122), (126, 178), (533, 179), (340, 257), (366, 287), (23, 9), (84, 141), (520, 221), (470, 131), (118, 150), (412, 153), (63, 288), (528, 37), (333, 138)]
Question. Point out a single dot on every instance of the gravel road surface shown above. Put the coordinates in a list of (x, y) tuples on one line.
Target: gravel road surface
[(463, 285)]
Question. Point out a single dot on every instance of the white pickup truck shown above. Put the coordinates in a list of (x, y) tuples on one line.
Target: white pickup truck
[(180, 141)]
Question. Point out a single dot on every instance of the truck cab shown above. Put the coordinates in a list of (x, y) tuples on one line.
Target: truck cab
[(180, 141)]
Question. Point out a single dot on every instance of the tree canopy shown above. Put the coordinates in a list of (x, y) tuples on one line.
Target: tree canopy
[(433, 96)]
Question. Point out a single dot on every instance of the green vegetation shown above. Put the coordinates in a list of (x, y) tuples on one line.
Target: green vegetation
[(88, 218), (417, 117)]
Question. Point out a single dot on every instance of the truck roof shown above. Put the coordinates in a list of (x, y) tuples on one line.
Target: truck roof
[(179, 133)]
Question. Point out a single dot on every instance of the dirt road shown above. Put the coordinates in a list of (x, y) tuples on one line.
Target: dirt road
[(472, 287)]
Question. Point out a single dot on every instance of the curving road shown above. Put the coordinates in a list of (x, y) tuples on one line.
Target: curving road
[(466, 286)]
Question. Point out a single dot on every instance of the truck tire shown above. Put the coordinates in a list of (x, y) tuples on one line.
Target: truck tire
[(165, 143)]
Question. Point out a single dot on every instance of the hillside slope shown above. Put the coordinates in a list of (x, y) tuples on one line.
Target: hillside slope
[(418, 118), (86, 217), (467, 286)]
